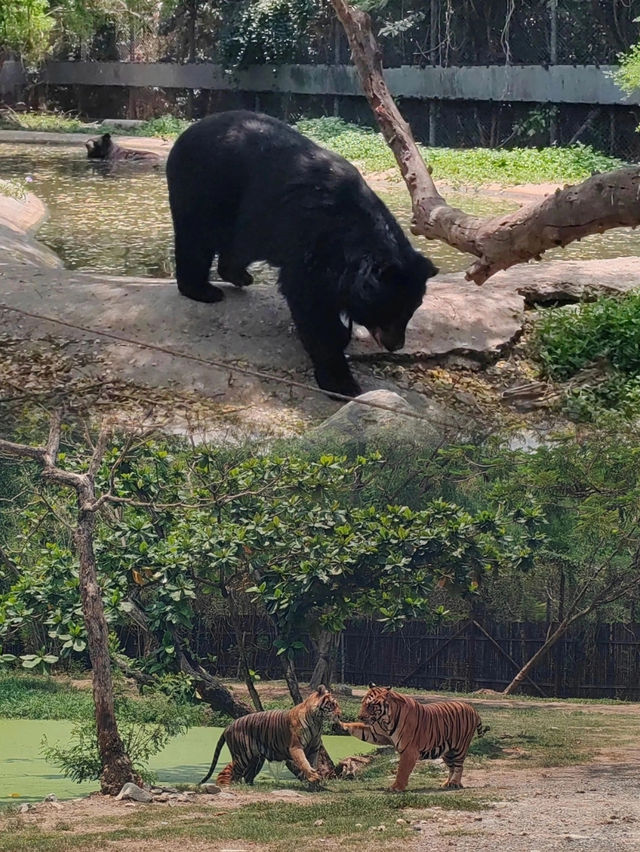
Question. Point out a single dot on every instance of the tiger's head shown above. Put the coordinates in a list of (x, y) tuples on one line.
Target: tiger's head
[(322, 701), (380, 707)]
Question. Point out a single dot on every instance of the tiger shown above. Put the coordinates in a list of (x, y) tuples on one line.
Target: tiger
[(417, 731), (294, 736)]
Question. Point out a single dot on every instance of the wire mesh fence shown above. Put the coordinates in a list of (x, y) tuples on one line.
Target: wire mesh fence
[(526, 32)]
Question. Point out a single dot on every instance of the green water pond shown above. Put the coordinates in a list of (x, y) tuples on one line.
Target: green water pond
[(118, 222), (25, 776)]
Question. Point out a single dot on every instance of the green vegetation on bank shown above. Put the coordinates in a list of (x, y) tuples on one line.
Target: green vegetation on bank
[(165, 126), (42, 697), (367, 148), (572, 737), (12, 189), (472, 166), (603, 335)]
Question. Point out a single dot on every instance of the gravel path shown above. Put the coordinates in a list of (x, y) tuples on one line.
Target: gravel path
[(592, 808)]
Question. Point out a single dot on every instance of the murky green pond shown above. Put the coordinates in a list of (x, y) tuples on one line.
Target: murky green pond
[(25, 776), (118, 223)]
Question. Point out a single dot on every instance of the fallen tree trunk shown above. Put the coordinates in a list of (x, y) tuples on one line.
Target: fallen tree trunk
[(602, 202)]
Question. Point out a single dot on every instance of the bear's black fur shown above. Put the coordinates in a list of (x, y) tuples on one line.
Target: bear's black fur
[(246, 187), (104, 148)]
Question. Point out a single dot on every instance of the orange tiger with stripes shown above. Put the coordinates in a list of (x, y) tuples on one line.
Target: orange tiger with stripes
[(417, 731), (294, 736)]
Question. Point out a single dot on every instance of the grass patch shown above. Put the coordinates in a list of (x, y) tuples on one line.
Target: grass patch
[(538, 737), (165, 126), (33, 697), (603, 332), (46, 122), (350, 812), (470, 166)]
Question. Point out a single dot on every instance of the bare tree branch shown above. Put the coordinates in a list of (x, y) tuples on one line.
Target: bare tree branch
[(602, 202)]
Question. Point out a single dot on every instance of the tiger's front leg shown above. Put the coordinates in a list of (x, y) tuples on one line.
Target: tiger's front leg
[(302, 765), (408, 760), (364, 732)]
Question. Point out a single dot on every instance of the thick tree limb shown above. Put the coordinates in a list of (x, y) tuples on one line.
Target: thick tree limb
[(602, 202)]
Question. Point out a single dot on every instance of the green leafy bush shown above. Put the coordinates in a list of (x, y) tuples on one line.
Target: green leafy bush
[(12, 189), (628, 74), (606, 331), (265, 31), (166, 126)]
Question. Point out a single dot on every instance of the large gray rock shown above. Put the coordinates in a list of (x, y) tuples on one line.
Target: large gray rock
[(135, 793), (362, 423)]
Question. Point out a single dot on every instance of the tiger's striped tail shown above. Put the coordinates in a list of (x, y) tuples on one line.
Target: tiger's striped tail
[(216, 755), (481, 729)]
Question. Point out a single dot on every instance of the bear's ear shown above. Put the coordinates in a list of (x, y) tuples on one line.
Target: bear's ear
[(427, 268), (372, 685), (106, 137)]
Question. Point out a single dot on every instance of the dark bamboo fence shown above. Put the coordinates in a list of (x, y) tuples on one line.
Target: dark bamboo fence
[(595, 661)]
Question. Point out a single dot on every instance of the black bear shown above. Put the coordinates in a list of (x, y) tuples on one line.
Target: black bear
[(104, 148), (246, 187)]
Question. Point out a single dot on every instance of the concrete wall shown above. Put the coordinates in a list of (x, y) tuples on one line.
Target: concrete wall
[(585, 84), (12, 78)]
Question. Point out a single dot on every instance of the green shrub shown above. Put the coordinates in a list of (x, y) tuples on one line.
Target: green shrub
[(166, 126), (79, 759), (12, 189), (607, 332), (29, 697)]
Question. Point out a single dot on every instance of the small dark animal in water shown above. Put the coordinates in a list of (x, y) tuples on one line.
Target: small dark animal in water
[(104, 148), (246, 187), (294, 736)]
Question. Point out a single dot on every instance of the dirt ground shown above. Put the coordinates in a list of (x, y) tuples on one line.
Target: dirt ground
[(595, 807)]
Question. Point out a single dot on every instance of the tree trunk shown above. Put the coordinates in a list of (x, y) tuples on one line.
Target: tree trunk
[(601, 202), (326, 648), (212, 690), (117, 768), (291, 678), (242, 651)]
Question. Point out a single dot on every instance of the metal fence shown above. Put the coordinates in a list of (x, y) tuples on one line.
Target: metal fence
[(593, 661)]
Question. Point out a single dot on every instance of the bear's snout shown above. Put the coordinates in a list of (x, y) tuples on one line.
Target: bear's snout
[(388, 338)]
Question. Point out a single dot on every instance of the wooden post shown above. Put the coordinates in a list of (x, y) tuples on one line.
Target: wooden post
[(553, 32), (337, 58), (553, 60), (433, 43)]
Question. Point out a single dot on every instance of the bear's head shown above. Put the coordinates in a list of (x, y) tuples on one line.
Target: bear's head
[(384, 296), (100, 148)]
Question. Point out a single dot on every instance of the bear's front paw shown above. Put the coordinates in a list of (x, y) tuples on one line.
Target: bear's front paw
[(344, 386), (206, 293)]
